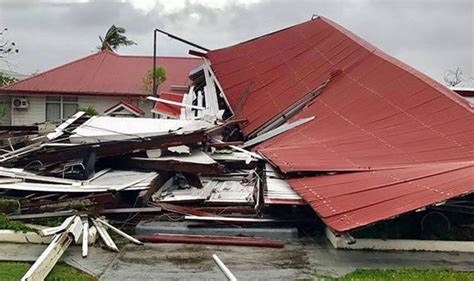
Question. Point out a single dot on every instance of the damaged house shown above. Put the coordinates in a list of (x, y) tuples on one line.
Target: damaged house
[(310, 118)]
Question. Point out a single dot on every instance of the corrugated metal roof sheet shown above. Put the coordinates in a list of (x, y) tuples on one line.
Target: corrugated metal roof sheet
[(406, 140), (105, 73), (272, 72), (169, 109), (348, 201)]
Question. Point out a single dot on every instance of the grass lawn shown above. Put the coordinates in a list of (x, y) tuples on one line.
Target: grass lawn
[(408, 274), (15, 270)]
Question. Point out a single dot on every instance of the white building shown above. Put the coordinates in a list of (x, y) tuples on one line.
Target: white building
[(104, 80)]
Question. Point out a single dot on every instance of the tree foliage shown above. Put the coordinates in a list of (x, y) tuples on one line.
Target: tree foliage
[(89, 110), (6, 79), (159, 75), (114, 38)]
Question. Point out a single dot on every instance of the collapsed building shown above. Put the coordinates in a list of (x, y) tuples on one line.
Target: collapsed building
[(310, 116)]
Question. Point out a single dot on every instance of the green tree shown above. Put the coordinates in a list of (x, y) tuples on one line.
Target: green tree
[(114, 38), (89, 110), (159, 75), (6, 79)]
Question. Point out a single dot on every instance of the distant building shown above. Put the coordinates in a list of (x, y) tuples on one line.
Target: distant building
[(19, 76), (105, 81), (466, 92)]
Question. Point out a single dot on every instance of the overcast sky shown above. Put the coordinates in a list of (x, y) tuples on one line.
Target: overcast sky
[(432, 36)]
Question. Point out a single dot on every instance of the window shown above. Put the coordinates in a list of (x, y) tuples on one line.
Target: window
[(59, 107)]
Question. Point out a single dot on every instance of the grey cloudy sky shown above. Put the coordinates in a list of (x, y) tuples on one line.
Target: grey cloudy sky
[(430, 35)]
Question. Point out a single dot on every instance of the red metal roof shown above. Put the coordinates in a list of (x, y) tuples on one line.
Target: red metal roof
[(128, 105), (349, 201), (407, 141), (169, 109), (268, 74), (105, 73)]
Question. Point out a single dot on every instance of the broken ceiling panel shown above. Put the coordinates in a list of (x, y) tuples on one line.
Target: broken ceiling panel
[(103, 128)]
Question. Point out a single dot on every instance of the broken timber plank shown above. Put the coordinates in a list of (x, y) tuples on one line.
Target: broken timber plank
[(119, 232), (85, 237), (105, 236), (145, 195), (46, 261), (43, 265)]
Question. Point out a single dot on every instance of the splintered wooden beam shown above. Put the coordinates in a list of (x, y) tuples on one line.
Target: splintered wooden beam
[(85, 237), (109, 243), (46, 261), (119, 232)]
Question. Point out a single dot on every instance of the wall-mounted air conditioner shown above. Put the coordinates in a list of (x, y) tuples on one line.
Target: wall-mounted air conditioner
[(20, 103)]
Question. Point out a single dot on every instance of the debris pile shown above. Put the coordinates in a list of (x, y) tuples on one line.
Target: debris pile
[(184, 174)]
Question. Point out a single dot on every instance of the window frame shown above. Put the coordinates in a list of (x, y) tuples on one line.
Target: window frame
[(61, 101)]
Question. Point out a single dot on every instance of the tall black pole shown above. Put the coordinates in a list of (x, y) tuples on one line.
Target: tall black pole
[(154, 64), (153, 76)]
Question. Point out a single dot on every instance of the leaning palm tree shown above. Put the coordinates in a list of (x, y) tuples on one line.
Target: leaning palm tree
[(114, 38)]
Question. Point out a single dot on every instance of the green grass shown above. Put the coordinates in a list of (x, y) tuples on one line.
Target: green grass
[(407, 274), (15, 270), (5, 223)]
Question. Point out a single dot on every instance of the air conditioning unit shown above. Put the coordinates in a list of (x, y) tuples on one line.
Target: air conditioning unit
[(20, 103)]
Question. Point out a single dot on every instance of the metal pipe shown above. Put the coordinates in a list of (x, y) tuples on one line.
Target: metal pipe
[(153, 76), (230, 276), (176, 103), (182, 40)]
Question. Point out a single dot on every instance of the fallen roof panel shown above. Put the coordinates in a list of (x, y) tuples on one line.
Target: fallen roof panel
[(406, 140), (352, 200)]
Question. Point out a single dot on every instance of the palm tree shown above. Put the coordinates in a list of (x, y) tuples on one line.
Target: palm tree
[(114, 38)]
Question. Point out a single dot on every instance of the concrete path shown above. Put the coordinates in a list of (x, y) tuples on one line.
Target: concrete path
[(297, 260)]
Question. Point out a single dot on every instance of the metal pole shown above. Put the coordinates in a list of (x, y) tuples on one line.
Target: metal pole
[(225, 270), (182, 40), (153, 76)]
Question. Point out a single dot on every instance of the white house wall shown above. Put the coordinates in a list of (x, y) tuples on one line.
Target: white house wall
[(99, 103), (103, 103), (5, 104), (35, 113)]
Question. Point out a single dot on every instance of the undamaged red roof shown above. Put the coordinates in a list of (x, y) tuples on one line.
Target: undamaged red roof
[(105, 73)]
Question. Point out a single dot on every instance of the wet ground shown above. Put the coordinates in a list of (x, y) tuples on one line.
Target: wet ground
[(300, 260), (303, 259)]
